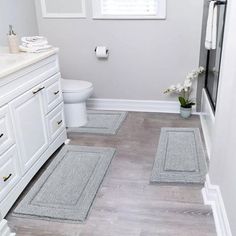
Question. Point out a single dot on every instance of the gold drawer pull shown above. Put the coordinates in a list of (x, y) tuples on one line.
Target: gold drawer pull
[(38, 90), (59, 122), (7, 178), (55, 93), (1, 135)]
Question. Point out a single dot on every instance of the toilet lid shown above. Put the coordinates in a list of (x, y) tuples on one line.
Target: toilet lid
[(75, 85)]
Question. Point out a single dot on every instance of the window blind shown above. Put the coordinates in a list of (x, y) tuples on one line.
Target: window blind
[(129, 7)]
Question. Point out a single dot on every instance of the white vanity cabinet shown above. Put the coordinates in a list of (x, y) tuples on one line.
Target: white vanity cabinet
[(32, 124), (52, 92), (9, 171), (29, 123), (6, 131)]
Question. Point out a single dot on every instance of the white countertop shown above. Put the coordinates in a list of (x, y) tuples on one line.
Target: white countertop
[(10, 63)]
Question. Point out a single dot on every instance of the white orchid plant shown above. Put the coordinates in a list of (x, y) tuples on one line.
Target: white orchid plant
[(184, 90)]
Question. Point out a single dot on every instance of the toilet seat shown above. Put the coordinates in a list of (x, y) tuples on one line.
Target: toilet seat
[(73, 86)]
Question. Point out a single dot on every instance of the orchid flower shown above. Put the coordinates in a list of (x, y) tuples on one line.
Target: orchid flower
[(184, 89)]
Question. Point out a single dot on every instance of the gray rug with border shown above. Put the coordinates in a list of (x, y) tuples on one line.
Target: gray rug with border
[(180, 157), (67, 188), (101, 122)]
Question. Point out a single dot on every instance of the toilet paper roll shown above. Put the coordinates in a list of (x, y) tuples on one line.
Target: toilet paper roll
[(102, 52)]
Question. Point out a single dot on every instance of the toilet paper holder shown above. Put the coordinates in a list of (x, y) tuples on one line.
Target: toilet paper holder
[(95, 50)]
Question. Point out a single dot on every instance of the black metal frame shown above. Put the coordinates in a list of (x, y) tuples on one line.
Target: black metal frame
[(221, 3)]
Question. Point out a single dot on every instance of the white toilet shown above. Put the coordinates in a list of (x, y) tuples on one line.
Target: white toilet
[(75, 93)]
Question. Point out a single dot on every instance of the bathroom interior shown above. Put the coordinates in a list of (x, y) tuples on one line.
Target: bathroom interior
[(117, 117)]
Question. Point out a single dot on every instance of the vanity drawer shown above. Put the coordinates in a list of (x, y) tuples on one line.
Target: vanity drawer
[(26, 78), (6, 134), (53, 92), (9, 171), (56, 122)]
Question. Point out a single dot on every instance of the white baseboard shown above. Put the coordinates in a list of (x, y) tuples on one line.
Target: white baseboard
[(67, 141), (207, 118), (212, 196), (4, 229), (134, 105)]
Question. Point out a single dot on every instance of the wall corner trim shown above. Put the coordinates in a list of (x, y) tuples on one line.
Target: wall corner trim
[(207, 119), (134, 105), (212, 196), (4, 229)]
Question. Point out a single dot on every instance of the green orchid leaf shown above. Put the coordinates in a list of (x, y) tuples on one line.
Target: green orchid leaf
[(182, 101)]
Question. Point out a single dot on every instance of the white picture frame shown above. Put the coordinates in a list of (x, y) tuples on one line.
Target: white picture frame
[(46, 14)]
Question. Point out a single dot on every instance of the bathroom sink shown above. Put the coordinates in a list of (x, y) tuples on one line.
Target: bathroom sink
[(7, 59), (10, 63)]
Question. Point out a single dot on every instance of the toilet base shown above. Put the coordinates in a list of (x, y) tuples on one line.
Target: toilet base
[(76, 114)]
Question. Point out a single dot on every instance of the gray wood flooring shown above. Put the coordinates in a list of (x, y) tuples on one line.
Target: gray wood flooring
[(126, 204)]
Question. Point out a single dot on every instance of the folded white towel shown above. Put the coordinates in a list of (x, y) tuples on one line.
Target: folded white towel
[(34, 44), (34, 39), (35, 49), (211, 30), (30, 45)]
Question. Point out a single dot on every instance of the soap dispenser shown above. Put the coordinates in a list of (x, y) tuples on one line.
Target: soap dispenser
[(13, 41)]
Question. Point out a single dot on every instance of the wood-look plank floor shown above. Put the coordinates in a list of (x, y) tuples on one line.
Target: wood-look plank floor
[(127, 204)]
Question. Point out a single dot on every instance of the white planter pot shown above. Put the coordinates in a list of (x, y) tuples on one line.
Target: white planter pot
[(185, 112)]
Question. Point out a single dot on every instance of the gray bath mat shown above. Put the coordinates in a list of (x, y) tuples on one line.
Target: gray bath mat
[(180, 157), (66, 190), (102, 122)]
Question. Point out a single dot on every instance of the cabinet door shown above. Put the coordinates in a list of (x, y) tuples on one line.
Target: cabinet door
[(30, 126), (6, 134)]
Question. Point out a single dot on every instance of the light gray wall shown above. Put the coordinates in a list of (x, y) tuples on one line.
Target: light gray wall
[(223, 160), (146, 56), (21, 14)]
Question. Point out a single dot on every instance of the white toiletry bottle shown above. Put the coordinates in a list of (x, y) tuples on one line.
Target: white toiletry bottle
[(13, 41)]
